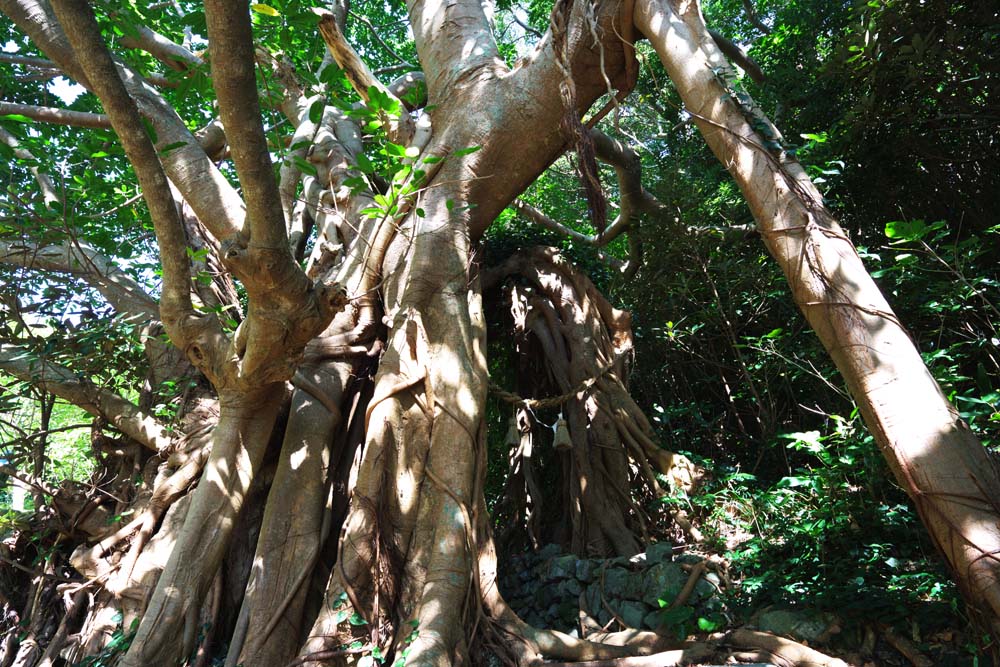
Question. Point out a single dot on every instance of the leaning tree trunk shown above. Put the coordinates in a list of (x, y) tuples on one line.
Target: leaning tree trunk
[(953, 482)]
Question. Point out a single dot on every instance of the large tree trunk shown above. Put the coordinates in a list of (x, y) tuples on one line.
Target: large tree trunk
[(934, 456)]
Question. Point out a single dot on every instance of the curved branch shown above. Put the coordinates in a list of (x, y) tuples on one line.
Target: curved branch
[(168, 52), (635, 199), (540, 218), (737, 55), (754, 17), (84, 261), (123, 415), (374, 32), (85, 36)]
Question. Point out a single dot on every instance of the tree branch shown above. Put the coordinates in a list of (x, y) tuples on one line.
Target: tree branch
[(49, 195), (196, 176), (754, 17), (35, 18), (29, 61), (46, 69), (123, 415), (96, 121), (85, 37), (84, 261), (635, 200), (168, 52), (378, 38), (736, 54), (230, 41), (539, 218), (400, 130)]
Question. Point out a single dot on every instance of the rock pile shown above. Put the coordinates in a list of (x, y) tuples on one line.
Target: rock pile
[(551, 590)]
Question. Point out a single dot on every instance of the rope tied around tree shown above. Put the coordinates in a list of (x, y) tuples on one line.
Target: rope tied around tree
[(555, 401)]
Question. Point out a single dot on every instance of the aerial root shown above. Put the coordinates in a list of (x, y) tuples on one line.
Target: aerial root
[(740, 644), (765, 647), (693, 653)]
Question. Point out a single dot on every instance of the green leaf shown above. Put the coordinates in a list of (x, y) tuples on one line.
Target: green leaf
[(707, 625), (316, 111), (17, 117), (355, 183), (818, 138), (150, 130), (304, 166), (266, 10), (365, 165), (466, 151), (906, 230), (392, 149), (676, 616)]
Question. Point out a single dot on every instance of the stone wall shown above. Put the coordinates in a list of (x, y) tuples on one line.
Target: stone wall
[(551, 590)]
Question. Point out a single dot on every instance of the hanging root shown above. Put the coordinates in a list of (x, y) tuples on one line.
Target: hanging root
[(573, 129), (568, 332)]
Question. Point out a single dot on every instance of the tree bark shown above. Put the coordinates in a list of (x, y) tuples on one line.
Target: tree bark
[(169, 625)]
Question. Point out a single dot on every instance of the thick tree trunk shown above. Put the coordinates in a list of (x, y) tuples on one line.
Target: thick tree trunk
[(169, 625), (953, 482)]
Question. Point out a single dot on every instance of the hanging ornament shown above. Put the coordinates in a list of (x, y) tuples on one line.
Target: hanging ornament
[(562, 440)]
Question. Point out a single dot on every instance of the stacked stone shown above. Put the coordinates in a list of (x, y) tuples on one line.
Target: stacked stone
[(551, 590)]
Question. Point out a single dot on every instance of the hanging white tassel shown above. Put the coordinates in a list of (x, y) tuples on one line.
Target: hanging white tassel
[(562, 441)]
